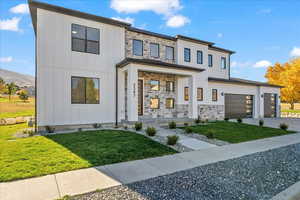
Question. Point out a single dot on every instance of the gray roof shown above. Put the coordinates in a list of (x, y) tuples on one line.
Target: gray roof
[(242, 81), (156, 63)]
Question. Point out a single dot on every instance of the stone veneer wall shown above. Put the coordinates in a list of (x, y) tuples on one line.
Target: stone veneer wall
[(211, 111), (147, 39), (162, 94)]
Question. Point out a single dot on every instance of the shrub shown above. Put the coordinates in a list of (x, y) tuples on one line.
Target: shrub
[(138, 126), (151, 131), (210, 134), (172, 139), (239, 120), (30, 132), (79, 129), (23, 95), (172, 125), (198, 120), (188, 130), (49, 129), (186, 124), (125, 127), (261, 122), (96, 125), (283, 126), (226, 119)]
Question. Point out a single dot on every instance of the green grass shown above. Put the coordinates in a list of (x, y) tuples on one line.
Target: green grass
[(17, 114), (235, 133), (291, 111), (39, 155)]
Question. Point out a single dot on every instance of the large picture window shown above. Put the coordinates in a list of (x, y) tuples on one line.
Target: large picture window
[(154, 50), (85, 90), (137, 47), (85, 39)]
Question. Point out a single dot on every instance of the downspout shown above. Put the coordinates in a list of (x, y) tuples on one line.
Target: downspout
[(229, 66), (35, 82), (116, 96)]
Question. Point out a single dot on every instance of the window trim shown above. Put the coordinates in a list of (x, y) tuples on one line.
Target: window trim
[(212, 95), (186, 93), (172, 89), (133, 47), (173, 53), (210, 64), (201, 60), (158, 107), (189, 60), (173, 105), (201, 97), (153, 43), (85, 89), (225, 65), (158, 85), (85, 39)]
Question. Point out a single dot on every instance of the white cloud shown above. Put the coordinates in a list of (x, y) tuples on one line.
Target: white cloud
[(127, 19), (10, 24), (6, 59), (295, 52), (264, 11), (262, 64), (177, 21), (165, 7), (241, 64), (20, 9), (220, 35)]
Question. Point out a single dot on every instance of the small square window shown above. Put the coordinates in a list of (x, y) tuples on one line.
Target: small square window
[(186, 93), (187, 55), (169, 103), (154, 85), (170, 86), (210, 60), (154, 103), (154, 50), (137, 47), (214, 94), (169, 53)]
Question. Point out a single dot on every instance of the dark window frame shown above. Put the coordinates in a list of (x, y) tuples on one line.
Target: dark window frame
[(158, 49), (158, 85), (173, 103), (142, 47), (225, 65), (216, 95), (170, 89), (210, 60), (85, 97), (85, 40), (173, 53), (158, 105), (200, 98), (186, 93), (201, 60), (189, 53)]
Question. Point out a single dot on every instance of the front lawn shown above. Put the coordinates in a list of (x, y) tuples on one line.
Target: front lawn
[(39, 155), (234, 132)]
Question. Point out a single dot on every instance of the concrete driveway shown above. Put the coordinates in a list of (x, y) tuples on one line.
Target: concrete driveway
[(294, 123)]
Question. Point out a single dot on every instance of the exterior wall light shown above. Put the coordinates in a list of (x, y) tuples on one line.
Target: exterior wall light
[(262, 96), (222, 93)]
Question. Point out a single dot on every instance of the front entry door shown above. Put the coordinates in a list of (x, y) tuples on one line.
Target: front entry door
[(140, 96)]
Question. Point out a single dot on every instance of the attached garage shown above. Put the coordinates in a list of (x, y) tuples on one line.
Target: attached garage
[(270, 105), (238, 106)]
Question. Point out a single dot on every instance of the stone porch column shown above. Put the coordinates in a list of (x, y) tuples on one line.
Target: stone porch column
[(193, 104), (132, 96)]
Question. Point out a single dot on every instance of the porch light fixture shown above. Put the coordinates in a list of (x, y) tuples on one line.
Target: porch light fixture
[(222, 93), (262, 95)]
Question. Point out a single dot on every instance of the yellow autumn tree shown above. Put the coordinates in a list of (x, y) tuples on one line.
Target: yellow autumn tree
[(288, 76)]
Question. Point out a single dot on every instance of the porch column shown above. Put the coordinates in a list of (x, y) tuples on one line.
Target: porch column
[(132, 100), (193, 104)]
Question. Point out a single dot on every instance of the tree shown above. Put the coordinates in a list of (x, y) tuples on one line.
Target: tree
[(2, 86), (23, 95), (286, 75), (11, 89)]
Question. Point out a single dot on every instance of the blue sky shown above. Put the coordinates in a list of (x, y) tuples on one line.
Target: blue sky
[(262, 32)]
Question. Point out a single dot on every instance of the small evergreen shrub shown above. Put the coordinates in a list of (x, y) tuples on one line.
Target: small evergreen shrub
[(210, 134), (172, 125), (49, 129), (172, 139), (226, 119), (198, 120), (188, 130), (283, 126), (125, 127), (138, 126), (186, 124), (96, 125), (151, 131), (261, 122), (239, 120)]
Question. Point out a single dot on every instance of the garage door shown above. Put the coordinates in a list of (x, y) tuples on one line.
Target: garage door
[(238, 106), (270, 105)]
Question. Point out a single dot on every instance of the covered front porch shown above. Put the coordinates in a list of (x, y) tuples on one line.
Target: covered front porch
[(156, 92)]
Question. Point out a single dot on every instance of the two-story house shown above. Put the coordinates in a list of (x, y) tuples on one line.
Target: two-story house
[(92, 69)]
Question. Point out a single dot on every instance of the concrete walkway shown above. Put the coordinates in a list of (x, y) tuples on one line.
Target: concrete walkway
[(86, 180), (293, 123)]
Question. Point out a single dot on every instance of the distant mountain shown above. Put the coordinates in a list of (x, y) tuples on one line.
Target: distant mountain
[(19, 79)]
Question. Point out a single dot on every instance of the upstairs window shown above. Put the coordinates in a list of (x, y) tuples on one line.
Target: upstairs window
[(85, 39), (154, 50), (187, 55), (210, 60), (169, 53), (223, 63), (154, 85), (199, 57), (214, 94), (137, 47), (170, 86), (84, 90), (200, 94), (186, 93)]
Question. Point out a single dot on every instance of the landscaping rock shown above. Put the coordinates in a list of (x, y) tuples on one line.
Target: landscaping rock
[(20, 120), (10, 121)]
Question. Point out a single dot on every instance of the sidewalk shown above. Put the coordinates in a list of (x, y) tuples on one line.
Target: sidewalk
[(86, 180)]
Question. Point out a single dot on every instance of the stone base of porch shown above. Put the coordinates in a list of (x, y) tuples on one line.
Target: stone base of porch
[(211, 112)]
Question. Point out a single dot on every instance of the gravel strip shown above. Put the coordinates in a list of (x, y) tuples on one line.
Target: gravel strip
[(256, 176)]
